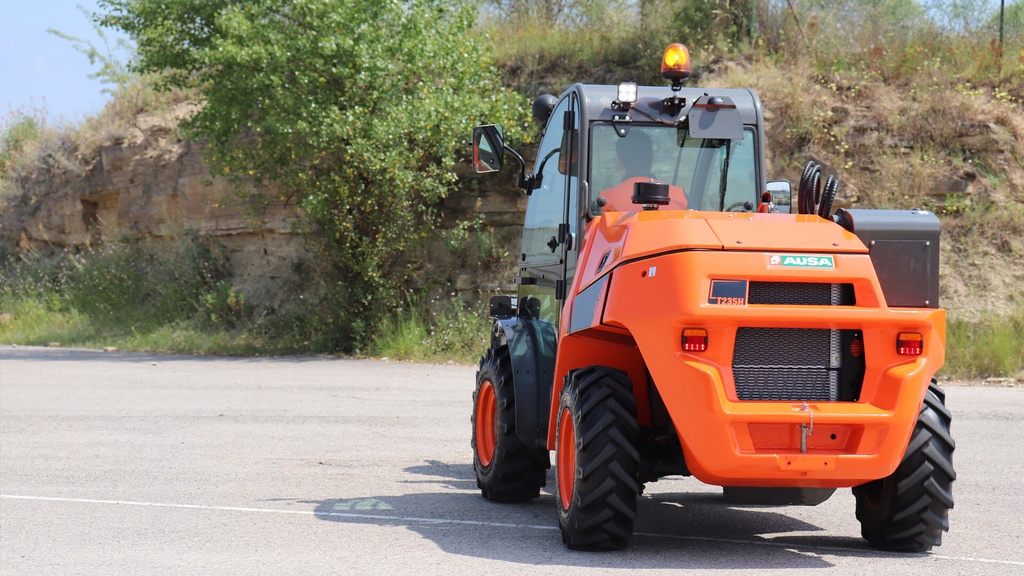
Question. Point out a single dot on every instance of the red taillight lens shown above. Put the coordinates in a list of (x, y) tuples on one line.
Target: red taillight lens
[(909, 344), (856, 348), (695, 340)]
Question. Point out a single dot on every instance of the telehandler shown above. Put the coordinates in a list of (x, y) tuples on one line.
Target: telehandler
[(678, 314)]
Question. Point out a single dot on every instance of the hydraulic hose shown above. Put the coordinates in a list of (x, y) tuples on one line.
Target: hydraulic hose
[(828, 196), (811, 198), (810, 188)]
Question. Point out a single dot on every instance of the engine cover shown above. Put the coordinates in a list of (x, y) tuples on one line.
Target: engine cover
[(904, 249)]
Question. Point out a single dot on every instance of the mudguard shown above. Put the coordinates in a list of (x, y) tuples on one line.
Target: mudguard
[(532, 344)]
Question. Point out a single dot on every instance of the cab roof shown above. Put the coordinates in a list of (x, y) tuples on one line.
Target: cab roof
[(596, 102)]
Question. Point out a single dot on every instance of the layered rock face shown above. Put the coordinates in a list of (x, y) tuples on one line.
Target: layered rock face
[(152, 195)]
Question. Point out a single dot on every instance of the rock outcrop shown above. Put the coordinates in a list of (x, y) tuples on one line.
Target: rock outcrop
[(152, 194), (153, 190)]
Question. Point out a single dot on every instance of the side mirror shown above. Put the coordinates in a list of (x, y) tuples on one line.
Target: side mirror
[(488, 148), (782, 196)]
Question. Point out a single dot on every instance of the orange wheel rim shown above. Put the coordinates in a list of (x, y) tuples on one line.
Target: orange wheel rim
[(486, 423), (566, 458)]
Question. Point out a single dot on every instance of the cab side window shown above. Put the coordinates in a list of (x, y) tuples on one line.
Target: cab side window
[(546, 206)]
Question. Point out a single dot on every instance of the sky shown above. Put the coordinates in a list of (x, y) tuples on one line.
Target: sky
[(41, 70)]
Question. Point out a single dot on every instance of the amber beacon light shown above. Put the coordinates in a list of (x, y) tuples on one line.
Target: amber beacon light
[(675, 64)]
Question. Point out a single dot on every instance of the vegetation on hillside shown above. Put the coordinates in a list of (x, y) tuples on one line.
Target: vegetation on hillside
[(127, 296), (357, 109)]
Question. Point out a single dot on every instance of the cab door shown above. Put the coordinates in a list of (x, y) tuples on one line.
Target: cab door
[(547, 232)]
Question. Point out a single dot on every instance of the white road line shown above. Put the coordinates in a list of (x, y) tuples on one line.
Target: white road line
[(273, 511), (411, 519)]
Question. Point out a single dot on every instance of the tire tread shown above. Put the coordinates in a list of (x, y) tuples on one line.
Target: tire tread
[(603, 508), (909, 510), (517, 471)]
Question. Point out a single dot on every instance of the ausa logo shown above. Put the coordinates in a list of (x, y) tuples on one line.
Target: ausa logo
[(796, 261)]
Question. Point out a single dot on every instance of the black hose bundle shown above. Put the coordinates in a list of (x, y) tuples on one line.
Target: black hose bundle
[(811, 198), (828, 196), (810, 188)]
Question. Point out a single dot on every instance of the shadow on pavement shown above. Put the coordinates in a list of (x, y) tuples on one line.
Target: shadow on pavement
[(673, 530)]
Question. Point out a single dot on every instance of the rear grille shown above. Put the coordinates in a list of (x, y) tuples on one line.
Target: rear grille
[(776, 383), (801, 293), (787, 364)]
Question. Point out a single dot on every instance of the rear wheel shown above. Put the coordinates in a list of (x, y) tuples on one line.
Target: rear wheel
[(909, 510), (597, 460), (506, 469)]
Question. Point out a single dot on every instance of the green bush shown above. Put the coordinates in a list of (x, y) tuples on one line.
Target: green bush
[(358, 109)]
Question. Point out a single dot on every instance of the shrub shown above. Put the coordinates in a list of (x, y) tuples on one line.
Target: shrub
[(356, 108)]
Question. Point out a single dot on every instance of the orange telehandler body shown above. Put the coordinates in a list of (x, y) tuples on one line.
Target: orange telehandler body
[(700, 327)]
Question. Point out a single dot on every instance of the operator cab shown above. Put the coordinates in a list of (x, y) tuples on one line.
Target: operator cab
[(704, 144), (627, 148)]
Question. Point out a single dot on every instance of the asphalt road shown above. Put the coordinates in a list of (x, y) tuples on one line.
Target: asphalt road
[(115, 463)]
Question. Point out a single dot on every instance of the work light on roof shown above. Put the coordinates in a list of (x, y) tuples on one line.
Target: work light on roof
[(626, 93), (625, 96)]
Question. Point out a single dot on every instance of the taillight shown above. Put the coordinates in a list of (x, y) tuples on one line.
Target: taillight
[(856, 348), (909, 344), (695, 340)]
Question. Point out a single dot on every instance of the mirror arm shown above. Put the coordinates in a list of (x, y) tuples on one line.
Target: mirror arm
[(527, 183)]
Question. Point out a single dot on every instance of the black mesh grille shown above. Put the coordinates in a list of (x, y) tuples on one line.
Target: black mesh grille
[(795, 347), (775, 383), (786, 364), (801, 293)]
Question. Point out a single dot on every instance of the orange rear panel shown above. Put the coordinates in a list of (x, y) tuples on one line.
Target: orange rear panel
[(644, 294)]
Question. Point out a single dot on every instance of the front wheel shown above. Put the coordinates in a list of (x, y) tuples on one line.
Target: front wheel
[(597, 460), (909, 510), (507, 470)]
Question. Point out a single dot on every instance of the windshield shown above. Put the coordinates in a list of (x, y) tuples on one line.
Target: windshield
[(702, 174)]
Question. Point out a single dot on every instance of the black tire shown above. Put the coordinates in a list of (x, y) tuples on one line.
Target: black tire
[(598, 461), (506, 469), (909, 510)]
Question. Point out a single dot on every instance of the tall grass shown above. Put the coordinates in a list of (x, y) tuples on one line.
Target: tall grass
[(537, 57), (441, 329), (120, 295), (179, 300), (916, 42), (993, 346), (902, 43)]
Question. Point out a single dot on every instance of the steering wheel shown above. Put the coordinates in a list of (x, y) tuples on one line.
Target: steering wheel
[(737, 205)]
